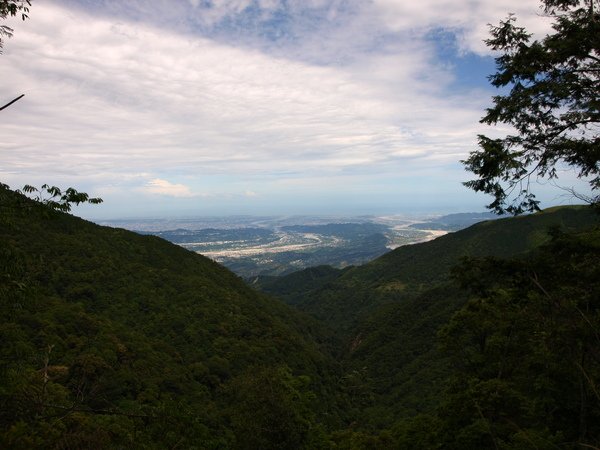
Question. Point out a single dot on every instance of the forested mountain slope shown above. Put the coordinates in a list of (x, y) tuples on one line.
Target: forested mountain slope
[(110, 338), (345, 300), (297, 286), (393, 313)]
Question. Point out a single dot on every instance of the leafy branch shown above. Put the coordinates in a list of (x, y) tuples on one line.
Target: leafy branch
[(552, 105), (57, 200), (12, 8)]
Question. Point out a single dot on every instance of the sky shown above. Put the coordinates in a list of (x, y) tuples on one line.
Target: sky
[(226, 107)]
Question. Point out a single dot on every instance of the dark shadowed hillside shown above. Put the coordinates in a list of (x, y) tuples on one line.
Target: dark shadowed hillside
[(115, 339), (112, 339), (408, 270), (390, 313)]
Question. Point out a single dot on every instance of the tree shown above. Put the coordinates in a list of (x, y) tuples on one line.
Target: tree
[(12, 8), (54, 198), (552, 104), (50, 196), (526, 350), (47, 199), (270, 409)]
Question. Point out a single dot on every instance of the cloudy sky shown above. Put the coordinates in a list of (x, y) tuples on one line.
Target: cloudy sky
[(179, 107)]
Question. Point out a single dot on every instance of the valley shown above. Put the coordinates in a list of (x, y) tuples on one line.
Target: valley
[(135, 342), (237, 225), (279, 245)]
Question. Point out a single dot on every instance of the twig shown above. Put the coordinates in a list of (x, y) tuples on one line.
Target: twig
[(11, 102)]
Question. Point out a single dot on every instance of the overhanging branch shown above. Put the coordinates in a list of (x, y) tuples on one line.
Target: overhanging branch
[(11, 102)]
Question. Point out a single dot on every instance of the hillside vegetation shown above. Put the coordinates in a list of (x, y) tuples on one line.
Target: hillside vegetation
[(344, 297), (410, 322), (112, 338), (485, 338)]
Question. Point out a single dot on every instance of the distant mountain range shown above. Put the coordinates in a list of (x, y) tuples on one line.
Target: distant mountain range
[(455, 222)]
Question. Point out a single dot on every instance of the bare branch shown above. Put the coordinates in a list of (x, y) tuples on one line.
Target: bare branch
[(11, 102)]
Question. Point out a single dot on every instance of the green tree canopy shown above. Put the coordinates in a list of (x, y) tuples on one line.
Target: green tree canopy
[(552, 104)]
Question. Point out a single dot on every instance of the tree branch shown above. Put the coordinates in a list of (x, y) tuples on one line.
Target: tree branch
[(11, 102)]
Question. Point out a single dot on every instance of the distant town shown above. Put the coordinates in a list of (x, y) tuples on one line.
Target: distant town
[(278, 245)]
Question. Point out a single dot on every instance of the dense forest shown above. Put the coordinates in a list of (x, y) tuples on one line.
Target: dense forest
[(432, 332), (486, 338), (114, 339)]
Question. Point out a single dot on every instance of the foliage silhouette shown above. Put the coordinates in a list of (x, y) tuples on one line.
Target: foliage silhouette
[(12, 8), (552, 106)]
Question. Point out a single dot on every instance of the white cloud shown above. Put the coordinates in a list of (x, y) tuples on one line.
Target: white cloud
[(163, 187), (155, 100), (469, 19), (107, 97)]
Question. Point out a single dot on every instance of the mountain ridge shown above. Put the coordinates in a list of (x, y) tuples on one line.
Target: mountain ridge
[(115, 339), (402, 271), (134, 326)]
